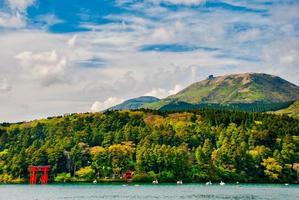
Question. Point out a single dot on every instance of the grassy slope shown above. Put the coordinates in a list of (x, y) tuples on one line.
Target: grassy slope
[(237, 88), (292, 110)]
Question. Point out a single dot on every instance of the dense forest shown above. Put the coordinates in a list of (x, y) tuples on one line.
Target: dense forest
[(192, 146), (248, 107)]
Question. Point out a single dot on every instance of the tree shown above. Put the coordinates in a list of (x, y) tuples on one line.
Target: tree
[(203, 154), (200, 145), (121, 156), (100, 161), (289, 151), (272, 168), (79, 156)]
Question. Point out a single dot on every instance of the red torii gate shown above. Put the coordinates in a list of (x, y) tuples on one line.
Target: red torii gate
[(128, 176), (34, 169)]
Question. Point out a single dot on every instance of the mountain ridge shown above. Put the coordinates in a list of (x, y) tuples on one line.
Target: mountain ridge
[(248, 92), (134, 103), (247, 88)]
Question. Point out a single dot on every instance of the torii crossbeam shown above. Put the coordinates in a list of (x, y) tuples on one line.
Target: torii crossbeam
[(34, 169)]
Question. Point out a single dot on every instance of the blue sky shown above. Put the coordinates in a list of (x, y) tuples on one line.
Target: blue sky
[(64, 56)]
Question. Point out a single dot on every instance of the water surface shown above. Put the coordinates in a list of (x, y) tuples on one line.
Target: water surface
[(148, 192)]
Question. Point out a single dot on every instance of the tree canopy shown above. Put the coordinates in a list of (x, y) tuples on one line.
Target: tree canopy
[(199, 145)]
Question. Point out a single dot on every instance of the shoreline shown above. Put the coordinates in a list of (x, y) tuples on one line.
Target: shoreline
[(147, 183)]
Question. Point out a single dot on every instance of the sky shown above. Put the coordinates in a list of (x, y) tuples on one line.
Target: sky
[(67, 56)]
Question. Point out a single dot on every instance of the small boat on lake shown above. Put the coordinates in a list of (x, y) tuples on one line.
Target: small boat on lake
[(209, 183), (179, 182), (222, 183), (155, 181)]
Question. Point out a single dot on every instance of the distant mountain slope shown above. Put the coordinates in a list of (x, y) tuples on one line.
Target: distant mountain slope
[(292, 110), (249, 107), (245, 88), (134, 103)]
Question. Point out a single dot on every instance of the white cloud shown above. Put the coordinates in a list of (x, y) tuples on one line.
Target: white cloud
[(162, 35), (12, 20), (282, 53), (49, 19), (175, 90), (4, 86), (288, 59), (100, 106), (46, 66), (249, 35), (15, 17), (162, 93), (180, 2), (128, 72), (157, 92), (20, 5), (72, 41)]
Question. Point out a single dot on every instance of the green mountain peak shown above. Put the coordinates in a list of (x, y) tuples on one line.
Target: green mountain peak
[(239, 88), (244, 88)]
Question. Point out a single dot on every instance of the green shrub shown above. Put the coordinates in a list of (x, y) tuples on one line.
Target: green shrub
[(143, 177), (167, 176), (63, 177), (86, 173), (6, 178)]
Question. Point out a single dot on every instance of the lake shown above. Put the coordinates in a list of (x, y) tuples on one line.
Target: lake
[(148, 192)]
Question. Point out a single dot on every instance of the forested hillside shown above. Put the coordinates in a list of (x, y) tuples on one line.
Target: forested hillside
[(292, 110), (194, 146), (248, 107)]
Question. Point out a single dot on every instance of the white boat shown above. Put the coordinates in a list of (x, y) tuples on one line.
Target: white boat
[(179, 182), (222, 183), (286, 184), (155, 181), (95, 181)]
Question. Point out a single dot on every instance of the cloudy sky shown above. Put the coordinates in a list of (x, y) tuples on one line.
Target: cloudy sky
[(65, 56)]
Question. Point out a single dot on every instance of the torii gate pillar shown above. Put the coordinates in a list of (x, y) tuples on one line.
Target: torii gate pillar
[(34, 169)]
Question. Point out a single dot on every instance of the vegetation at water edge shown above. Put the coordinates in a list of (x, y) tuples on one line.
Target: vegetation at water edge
[(194, 146)]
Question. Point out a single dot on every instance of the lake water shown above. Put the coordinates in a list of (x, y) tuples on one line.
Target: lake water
[(148, 192)]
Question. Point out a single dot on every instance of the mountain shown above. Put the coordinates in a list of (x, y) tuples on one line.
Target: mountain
[(292, 110), (239, 90), (134, 103)]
